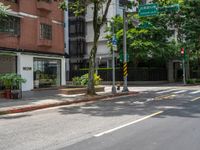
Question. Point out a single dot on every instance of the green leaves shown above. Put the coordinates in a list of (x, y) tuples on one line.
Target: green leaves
[(3, 10), (11, 80), (84, 79)]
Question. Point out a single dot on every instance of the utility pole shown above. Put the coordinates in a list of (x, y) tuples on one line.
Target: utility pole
[(125, 71)]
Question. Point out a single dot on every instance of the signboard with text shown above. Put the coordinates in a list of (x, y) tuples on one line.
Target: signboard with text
[(148, 10)]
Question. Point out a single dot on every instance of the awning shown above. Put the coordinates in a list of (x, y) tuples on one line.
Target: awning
[(15, 14)]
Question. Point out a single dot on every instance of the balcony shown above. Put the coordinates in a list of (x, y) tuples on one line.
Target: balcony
[(44, 43), (44, 5)]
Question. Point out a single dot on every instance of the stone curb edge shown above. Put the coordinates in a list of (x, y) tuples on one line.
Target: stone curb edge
[(43, 106)]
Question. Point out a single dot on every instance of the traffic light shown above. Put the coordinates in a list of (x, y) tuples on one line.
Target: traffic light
[(182, 51)]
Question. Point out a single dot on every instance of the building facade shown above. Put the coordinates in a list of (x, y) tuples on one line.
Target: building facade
[(32, 43), (77, 41)]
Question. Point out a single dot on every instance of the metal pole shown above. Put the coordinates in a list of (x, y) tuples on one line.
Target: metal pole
[(184, 79), (113, 72), (66, 40), (125, 73), (114, 91)]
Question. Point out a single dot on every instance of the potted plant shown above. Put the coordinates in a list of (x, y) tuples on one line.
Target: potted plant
[(17, 81), (6, 79), (12, 83)]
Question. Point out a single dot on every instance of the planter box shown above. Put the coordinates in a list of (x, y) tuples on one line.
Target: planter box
[(79, 90), (1, 94)]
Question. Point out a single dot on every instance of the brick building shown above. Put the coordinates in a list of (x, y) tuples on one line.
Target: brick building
[(32, 42)]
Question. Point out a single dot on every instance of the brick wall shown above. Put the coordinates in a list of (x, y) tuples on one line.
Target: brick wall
[(32, 14)]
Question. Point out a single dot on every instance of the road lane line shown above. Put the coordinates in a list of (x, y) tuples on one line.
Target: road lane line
[(128, 124), (182, 91), (195, 92), (161, 92), (195, 99)]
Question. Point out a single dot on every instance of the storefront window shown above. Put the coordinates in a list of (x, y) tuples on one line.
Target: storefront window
[(47, 73)]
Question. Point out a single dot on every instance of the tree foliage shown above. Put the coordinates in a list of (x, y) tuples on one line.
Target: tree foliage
[(3, 10), (143, 44)]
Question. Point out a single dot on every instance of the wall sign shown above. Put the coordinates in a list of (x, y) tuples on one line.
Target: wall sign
[(27, 68)]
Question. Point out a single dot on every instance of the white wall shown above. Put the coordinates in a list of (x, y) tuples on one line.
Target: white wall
[(102, 45), (26, 61)]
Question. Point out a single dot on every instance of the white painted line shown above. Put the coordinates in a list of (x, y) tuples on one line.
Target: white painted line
[(165, 91), (195, 92), (128, 124), (182, 91), (195, 99)]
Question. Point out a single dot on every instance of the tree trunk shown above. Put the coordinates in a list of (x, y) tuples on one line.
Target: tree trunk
[(92, 60), (97, 25)]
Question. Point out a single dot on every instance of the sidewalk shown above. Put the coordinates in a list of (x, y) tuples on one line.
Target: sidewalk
[(34, 100)]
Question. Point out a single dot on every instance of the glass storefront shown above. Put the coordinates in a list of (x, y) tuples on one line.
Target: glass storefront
[(47, 73)]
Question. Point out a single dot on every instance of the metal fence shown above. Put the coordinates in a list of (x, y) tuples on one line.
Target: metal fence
[(134, 74)]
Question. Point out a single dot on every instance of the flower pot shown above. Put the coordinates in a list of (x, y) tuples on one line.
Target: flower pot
[(7, 94), (15, 94)]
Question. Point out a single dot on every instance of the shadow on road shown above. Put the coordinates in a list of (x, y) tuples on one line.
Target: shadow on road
[(136, 105)]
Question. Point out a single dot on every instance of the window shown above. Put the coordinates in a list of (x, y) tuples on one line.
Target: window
[(77, 27), (45, 31), (48, 1), (47, 72), (14, 1), (77, 47), (10, 25)]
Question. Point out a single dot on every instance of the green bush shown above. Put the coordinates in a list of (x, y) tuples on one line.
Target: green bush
[(12, 80), (84, 79), (191, 81), (76, 81), (197, 80)]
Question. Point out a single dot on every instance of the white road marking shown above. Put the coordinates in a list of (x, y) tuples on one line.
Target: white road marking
[(195, 99), (165, 91), (138, 102), (195, 92), (182, 91), (128, 124)]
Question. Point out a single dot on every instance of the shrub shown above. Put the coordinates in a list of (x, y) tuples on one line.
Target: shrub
[(83, 80), (12, 80), (197, 80), (76, 81), (191, 81)]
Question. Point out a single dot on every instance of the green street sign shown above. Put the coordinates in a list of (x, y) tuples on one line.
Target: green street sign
[(170, 8), (145, 25), (148, 10)]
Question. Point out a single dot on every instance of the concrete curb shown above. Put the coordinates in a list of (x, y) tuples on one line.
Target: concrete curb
[(21, 109)]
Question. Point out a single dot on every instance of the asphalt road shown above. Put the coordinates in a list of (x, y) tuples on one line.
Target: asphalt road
[(153, 120), (170, 130)]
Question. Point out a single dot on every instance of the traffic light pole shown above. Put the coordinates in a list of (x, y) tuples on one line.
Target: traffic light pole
[(125, 72), (184, 76)]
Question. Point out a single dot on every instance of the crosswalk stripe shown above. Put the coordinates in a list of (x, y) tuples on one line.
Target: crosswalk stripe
[(195, 92), (182, 91), (161, 92)]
